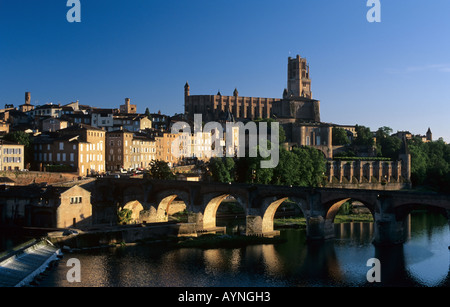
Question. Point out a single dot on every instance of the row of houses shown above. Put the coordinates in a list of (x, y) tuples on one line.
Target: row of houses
[(51, 117), (88, 140), (88, 150)]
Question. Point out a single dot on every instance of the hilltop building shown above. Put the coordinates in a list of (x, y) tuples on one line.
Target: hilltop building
[(296, 111)]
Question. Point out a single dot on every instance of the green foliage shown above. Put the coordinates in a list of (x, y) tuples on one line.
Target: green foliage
[(430, 164), (340, 136), (147, 113), (364, 136), (346, 208), (303, 166), (124, 216), (387, 145), (221, 169), (59, 168), (160, 170), (344, 158)]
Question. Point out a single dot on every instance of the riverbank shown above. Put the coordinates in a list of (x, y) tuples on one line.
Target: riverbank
[(300, 222)]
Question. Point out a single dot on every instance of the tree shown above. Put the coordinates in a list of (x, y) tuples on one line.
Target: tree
[(419, 161), (147, 113), (222, 169), (301, 167), (364, 136), (430, 164), (387, 146), (160, 170), (340, 136)]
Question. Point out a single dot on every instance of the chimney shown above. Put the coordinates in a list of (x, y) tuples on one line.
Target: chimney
[(127, 101)]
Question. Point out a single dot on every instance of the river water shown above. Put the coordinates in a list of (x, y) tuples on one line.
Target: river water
[(422, 261)]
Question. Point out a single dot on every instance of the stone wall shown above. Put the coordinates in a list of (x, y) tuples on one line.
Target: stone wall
[(27, 178)]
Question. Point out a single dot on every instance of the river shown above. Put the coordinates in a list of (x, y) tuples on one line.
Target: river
[(422, 261)]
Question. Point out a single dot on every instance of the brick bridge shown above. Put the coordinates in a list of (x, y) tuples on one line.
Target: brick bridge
[(260, 202)]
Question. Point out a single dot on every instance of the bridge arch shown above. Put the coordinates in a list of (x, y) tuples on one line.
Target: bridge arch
[(135, 207), (131, 193), (270, 207), (211, 205), (164, 200), (332, 207), (403, 210)]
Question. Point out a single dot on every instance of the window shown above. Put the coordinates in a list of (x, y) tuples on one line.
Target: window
[(76, 200), (61, 146)]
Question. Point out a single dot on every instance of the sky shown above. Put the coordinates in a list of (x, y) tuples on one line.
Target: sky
[(393, 73)]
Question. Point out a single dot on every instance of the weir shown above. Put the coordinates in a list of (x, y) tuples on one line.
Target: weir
[(21, 266)]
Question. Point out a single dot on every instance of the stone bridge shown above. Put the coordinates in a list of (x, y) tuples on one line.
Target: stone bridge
[(260, 202)]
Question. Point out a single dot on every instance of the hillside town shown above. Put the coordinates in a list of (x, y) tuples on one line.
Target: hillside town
[(65, 145)]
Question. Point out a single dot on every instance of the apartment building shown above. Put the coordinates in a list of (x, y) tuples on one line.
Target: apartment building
[(12, 156), (117, 149), (164, 150), (80, 148), (129, 151), (142, 152)]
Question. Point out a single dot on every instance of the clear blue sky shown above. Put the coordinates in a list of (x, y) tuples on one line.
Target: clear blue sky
[(395, 73)]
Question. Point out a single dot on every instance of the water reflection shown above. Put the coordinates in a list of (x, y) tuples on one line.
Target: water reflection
[(422, 261)]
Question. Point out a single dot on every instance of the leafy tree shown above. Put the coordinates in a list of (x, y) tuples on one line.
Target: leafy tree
[(339, 136), (147, 113), (160, 170), (430, 164), (387, 145), (222, 169), (419, 161), (364, 136), (302, 167)]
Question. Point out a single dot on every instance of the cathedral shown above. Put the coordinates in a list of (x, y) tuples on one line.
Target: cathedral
[(297, 112)]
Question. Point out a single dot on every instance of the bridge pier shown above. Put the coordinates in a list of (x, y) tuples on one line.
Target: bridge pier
[(255, 226), (389, 229), (197, 219), (152, 215)]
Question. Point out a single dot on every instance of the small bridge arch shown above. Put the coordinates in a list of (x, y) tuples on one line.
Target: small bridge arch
[(211, 203)]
